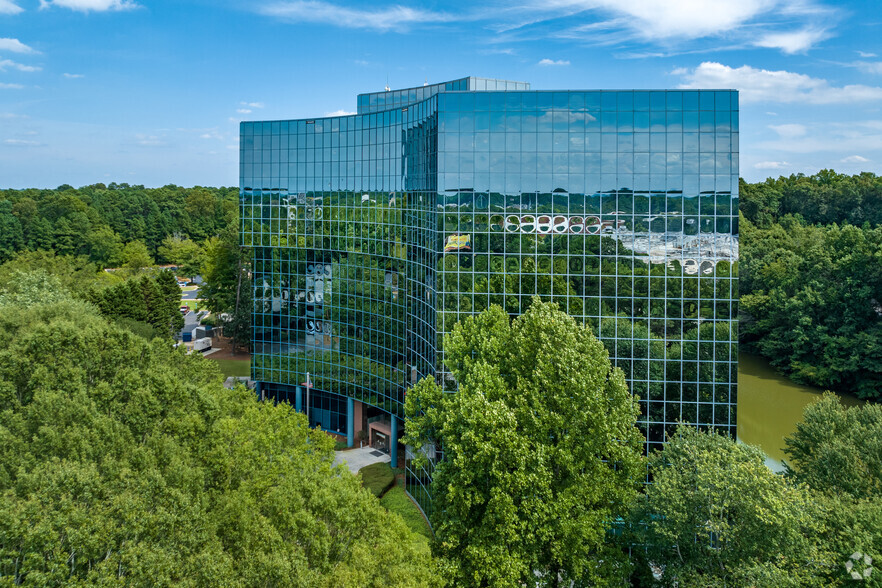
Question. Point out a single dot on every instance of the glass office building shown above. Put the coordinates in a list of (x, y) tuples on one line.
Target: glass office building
[(374, 233)]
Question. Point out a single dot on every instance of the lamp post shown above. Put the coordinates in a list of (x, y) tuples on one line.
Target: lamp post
[(308, 386)]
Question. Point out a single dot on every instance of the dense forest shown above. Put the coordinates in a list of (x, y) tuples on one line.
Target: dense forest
[(126, 462), (548, 489), (122, 460), (101, 222), (811, 278), (74, 234)]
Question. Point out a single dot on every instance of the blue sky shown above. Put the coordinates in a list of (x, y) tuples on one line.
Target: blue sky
[(151, 92)]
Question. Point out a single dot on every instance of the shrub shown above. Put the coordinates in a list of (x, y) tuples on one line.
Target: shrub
[(377, 478), (396, 500)]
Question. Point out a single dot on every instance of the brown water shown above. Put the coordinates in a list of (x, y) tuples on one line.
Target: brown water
[(770, 406)]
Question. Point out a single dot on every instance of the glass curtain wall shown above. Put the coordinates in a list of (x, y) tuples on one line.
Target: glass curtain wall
[(622, 207), (324, 204), (373, 234)]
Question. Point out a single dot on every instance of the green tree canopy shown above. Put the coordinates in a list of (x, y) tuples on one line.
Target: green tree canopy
[(96, 221), (540, 450), (811, 277), (124, 461), (34, 287), (837, 453), (136, 256), (227, 288), (838, 449), (812, 302), (184, 253), (75, 274), (715, 515)]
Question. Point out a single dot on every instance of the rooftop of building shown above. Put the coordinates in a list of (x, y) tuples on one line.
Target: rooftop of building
[(388, 99)]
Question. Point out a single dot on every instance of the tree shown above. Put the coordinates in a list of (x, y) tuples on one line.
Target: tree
[(225, 270), (124, 461), (34, 287), (11, 236), (540, 450), (170, 298), (105, 246), (837, 449), (184, 253), (201, 202), (238, 327), (837, 452), (135, 256), (810, 301), (715, 515), (76, 274), (810, 278), (158, 312), (97, 221), (148, 302)]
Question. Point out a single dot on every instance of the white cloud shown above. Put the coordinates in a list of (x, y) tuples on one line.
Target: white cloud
[(794, 41), (836, 139), (771, 165), (149, 140), (7, 63), (9, 7), (789, 131), (854, 159), (10, 86), (252, 104), (243, 110), (71, 76), (545, 62), (663, 19), (14, 45), (91, 5), (380, 19), (871, 67), (21, 142), (789, 25), (866, 55), (761, 85), (498, 51), (211, 133), (340, 112)]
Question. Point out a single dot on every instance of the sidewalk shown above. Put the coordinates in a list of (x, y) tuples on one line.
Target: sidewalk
[(355, 459)]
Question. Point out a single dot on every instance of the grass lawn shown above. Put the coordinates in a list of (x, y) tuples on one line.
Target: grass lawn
[(191, 304), (233, 367), (377, 477), (396, 500), (189, 288)]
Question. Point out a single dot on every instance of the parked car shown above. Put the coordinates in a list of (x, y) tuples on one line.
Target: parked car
[(185, 309)]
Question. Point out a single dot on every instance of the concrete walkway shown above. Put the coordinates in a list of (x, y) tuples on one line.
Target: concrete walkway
[(355, 459)]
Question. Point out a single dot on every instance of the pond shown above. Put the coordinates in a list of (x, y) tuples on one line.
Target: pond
[(770, 406)]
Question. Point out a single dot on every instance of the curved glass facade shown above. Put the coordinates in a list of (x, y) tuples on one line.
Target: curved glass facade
[(374, 233)]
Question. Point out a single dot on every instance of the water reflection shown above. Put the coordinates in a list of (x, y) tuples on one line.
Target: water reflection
[(770, 406)]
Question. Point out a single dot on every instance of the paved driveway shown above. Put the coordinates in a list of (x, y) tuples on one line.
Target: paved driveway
[(355, 459)]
